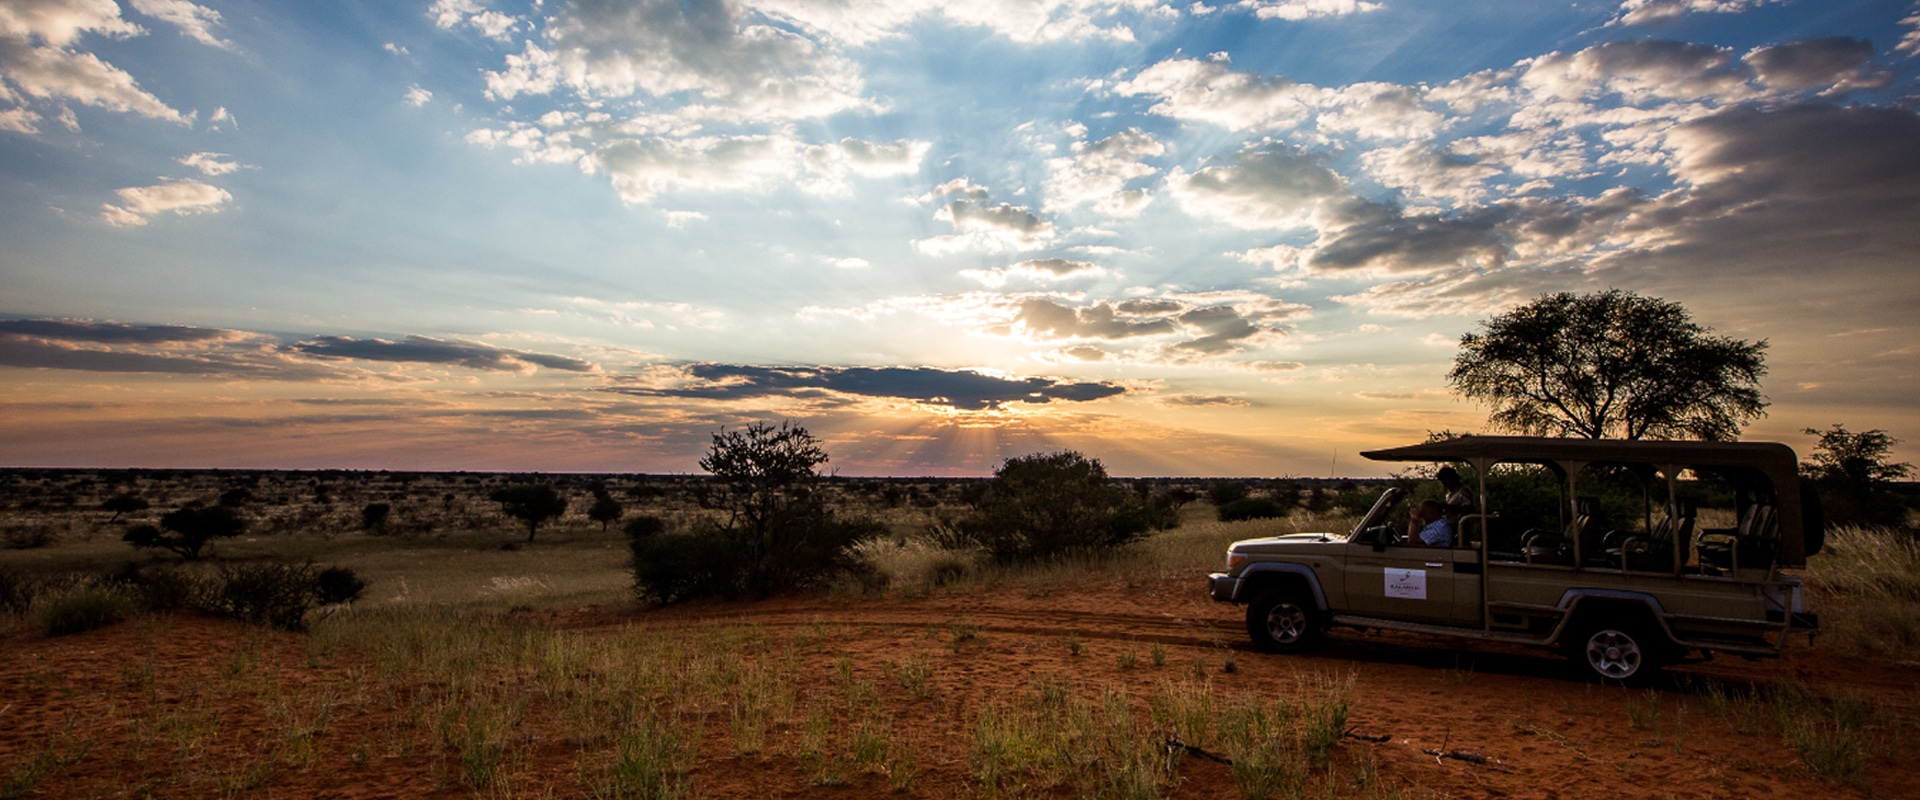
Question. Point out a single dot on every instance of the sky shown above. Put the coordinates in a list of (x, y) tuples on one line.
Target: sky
[(1192, 239)]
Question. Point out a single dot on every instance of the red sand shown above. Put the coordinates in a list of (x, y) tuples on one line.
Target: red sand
[(87, 709)]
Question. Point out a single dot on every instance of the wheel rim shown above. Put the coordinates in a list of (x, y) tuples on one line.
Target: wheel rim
[(1613, 654), (1286, 623)]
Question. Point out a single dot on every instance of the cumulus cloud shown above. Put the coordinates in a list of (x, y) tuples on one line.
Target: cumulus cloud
[(1044, 270), (417, 96), (1099, 174), (140, 204), (960, 389), (980, 224), (1648, 12), (196, 21), (39, 59), (1187, 327), (1042, 318), (1832, 66), (211, 164), (473, 14), (428, 350), (1211, 91), (1295, 10), (1267, 187)]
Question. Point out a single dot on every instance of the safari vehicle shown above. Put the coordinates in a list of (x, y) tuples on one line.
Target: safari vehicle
[(1590, 546)]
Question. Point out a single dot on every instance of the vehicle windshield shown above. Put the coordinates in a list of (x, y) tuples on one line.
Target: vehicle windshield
[(1380, 516)]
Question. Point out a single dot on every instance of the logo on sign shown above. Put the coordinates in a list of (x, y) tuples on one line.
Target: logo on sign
[(1410, 584)]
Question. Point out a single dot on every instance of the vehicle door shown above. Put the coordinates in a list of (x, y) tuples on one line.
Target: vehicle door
[(1409, 583)]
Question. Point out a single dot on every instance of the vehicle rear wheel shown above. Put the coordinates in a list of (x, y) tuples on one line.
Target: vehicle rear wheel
[(1283, 620), (1615, 652)]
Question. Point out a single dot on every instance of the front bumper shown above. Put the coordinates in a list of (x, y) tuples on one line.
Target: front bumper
[(1223, 587)]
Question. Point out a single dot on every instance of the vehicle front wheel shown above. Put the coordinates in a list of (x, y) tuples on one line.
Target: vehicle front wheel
[(1615, 652), (1282, 620)]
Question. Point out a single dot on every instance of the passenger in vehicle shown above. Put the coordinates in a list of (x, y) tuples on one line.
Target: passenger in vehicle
[(1459, 501), (1430, 526)]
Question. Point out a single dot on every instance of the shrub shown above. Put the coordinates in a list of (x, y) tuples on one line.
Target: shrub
[(336, 585), (160, 588), (27, 537), (1045, 505), (1251, 508), (1221, 493), (669, 568), (83, 606), (605, 510), (272, 594), (16, 592)]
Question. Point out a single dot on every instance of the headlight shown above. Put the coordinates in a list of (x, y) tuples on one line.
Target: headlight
[(1234, 559)]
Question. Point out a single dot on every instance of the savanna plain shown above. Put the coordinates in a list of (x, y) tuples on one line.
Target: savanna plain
[(479, 658)]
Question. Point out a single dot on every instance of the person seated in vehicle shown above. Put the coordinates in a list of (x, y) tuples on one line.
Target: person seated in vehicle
[(1459, 501), (1429, 526)]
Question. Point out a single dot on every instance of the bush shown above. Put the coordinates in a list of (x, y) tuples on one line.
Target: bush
[(27, 537), (272, 594), (1251, 508), (16, 592), (1221, 493), (84, 606), (1045, 505), (336, 585), (669, 568), (160, 588)]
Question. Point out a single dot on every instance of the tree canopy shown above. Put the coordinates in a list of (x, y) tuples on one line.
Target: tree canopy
[(533, 502), (1611, 364)]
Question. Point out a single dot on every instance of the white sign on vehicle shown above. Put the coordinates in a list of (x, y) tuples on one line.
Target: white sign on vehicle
[(1410, 584)]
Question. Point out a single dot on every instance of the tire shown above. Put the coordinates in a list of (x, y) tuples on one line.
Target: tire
[(1615, 652), (1284, 620)]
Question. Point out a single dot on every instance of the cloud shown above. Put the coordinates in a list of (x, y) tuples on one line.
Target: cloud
[(67, 330), (1202, 401), (417, 96), (831, 164), (112, 347), (1296, 10), (427, 350), (1044, 270), (1266, 187), (1098, 174), (984, 225), (211, 164), (139, 204), (1045, 319), (1832, 66), (1649, 12), (450, 14), (1910, 41), (1210, 91), (196, 21), (958, 389), (37, 59)]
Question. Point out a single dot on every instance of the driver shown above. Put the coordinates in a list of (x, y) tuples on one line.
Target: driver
[(1430, 526)]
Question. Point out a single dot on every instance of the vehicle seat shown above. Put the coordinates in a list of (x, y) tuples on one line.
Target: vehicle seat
[(1749, 546), (1547, 547), (1653, 552)]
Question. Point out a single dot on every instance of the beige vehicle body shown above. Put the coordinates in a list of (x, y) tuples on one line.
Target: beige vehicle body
[(1620, 602)]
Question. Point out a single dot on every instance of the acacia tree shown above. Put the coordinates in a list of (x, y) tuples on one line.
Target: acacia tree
[(1611, 364), (188, 530), (1852, 470), (1048, 504), (533, 502)]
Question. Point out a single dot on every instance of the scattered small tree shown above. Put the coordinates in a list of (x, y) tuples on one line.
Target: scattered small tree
[(1852, 472), (1611, 364), (776, 532), (374, 516), (533, 502), (123, 504), (605, 510), (1049, 504), (188, 530)]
